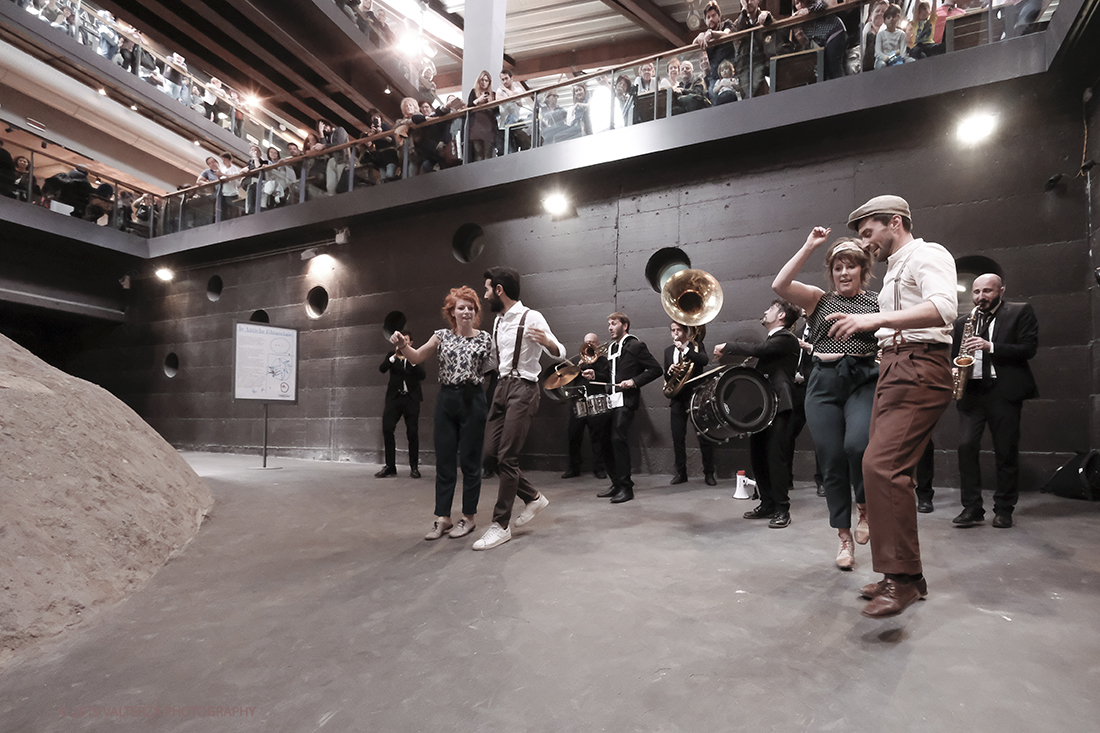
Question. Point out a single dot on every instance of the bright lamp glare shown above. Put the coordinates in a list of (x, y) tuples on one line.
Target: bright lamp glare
[(165, 274), (555, 204), (976, 127)]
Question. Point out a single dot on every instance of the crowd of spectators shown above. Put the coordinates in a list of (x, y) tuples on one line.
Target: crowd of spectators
[(125, 46), (77, 192)]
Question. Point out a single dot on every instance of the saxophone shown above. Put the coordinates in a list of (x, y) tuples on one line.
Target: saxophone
[(964, 362)]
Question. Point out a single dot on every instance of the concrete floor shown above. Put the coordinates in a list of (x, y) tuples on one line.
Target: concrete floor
[(310, 598)]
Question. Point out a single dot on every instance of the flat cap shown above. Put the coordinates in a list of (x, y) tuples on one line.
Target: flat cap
[(879, 205)]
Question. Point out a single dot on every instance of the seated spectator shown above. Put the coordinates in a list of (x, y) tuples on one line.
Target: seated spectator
[(378, 159), (870, 30), (624, 101), (922, 31), (644, 84), (694, 90), (672, 80), (827, 31), (750, 57), (725, 87), (890, 43), (483, 125)]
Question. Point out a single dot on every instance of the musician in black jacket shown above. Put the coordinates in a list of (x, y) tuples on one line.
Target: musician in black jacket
[(1006, 336), (772, 450), (679, 352), (403, 398), (596, 369), (632, 367)]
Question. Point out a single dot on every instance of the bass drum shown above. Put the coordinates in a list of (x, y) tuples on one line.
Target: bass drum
[(732, 402)]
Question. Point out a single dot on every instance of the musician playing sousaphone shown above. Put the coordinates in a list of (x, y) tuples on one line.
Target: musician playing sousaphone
[(841, 387), (684, 359), (595, 368)]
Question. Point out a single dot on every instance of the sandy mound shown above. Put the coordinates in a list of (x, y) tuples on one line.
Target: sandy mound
[(92, 500)]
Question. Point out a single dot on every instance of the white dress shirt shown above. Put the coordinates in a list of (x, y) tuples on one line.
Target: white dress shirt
[(530, 351), (928, 275)]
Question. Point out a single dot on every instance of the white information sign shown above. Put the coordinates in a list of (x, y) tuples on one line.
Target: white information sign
[(265, 363)]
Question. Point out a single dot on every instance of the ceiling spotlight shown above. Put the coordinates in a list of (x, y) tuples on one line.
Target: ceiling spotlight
[(309, 254), (976, 127), (556, 204), (102, 92), (197, 143), (388, 89), (282, 127), (133, 107), (165, 274)]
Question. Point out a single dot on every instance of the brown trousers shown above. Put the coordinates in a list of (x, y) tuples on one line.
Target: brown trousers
[(914, 389), (515, 403)]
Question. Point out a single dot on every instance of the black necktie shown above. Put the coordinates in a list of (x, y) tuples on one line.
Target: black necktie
[(987, 358)]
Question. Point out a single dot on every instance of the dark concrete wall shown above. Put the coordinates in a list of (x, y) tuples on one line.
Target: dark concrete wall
[(739, 207)]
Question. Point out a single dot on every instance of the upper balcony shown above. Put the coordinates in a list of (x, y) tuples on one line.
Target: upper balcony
[(613, 115)]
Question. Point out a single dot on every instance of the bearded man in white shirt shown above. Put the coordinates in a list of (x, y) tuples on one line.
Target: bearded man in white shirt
[(520, 336)]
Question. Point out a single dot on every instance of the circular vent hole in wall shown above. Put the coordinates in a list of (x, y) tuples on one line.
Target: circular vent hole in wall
[(316, 301)]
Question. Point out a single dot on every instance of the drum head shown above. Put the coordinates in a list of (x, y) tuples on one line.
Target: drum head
[(747, 400)]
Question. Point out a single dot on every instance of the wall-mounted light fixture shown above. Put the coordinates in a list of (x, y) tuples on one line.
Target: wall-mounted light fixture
[(165, 274), (976, 127)]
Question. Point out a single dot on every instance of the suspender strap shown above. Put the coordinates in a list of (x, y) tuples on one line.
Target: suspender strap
[(898, 339), (519, 342)]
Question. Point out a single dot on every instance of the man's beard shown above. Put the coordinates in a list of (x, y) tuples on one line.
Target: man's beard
[(990, 306), (496, 305)]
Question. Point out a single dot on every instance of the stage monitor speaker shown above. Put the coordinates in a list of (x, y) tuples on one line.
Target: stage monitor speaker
[(1078, 478)]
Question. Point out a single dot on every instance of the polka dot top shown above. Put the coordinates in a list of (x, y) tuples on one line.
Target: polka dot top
[(860, 343)]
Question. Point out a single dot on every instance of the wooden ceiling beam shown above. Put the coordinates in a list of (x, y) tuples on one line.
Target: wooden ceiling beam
[(648, 15)]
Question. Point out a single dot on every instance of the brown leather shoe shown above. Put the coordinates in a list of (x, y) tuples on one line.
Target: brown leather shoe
[(894, 598), (873, 590)]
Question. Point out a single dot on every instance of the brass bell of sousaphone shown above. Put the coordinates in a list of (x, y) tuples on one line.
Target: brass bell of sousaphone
[(689, 297)]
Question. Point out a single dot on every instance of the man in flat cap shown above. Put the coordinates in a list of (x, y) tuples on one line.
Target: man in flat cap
[(918, 304)]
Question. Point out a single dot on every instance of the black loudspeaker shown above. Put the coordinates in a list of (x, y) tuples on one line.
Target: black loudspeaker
[(1078, 478)]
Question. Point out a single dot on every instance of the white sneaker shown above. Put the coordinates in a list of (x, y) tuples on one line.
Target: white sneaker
[(494, 536), (531, 510)]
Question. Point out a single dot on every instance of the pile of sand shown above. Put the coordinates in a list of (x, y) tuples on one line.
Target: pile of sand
[(92, 500)]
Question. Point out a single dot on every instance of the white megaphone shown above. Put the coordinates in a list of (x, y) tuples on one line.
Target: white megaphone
[(746, 487)]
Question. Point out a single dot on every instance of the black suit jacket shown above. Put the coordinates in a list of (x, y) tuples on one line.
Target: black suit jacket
[(777, 357), (699, 358), (635, 362), (1015, 340), (402, 371)]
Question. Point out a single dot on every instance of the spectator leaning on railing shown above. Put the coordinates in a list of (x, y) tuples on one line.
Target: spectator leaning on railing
[(827, 31), (750, 52)]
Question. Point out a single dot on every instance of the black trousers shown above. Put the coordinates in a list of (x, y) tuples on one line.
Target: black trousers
[(597, 433), (982, 406), (621, 420), (926, 471), (397, 408), (460, 414), (678, 418), (771, 456)]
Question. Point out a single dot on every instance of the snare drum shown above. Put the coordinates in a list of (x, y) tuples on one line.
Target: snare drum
[(598, 404), (731, 403)]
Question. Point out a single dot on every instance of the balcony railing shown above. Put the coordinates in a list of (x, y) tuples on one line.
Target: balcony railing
[(771, 59)]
